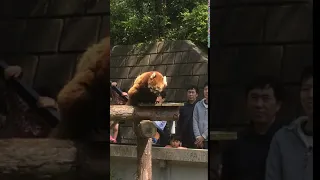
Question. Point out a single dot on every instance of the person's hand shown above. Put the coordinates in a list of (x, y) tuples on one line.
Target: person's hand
[(46, 102), (199, 141), (12, 71), (113, 84), (125, 94)]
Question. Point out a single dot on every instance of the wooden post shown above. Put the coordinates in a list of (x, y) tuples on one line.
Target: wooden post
[(153, 113), (50, 159), (144, 130)]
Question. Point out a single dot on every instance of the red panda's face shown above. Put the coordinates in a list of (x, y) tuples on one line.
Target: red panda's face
[(157, 83)]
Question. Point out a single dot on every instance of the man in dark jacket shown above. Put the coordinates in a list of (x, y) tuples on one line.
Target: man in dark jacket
[(246, 158), (185, 123)]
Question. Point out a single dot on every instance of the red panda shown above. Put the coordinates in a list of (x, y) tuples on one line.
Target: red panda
[(146, 88), (84, 101)]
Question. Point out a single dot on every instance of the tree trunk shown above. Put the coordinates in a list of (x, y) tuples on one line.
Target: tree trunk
[(53, 159)]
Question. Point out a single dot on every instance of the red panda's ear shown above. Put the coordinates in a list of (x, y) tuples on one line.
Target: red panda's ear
[(165, 80), (153, 75)]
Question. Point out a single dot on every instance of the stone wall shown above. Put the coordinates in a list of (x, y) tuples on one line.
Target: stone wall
[(252, 37), (181, 61), (46, 37)]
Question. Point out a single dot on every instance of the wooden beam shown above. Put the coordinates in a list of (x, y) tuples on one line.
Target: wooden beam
[(50, 158), (146, 129), (222, 135), (144, 154), (137, 113)]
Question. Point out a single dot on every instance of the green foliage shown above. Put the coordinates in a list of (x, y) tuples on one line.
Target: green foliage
[(139, 21)]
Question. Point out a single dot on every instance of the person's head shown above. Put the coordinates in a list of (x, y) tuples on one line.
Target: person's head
[(161, 98), (206, 90), (175, 142), (264, 98), (306, 91), (192, 93)]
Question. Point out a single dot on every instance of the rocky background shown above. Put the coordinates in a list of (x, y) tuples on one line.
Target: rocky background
[(252, 37), (182, 62), (46, 37)]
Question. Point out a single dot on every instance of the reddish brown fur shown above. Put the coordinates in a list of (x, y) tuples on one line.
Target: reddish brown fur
[(84, 101), (140, 93)]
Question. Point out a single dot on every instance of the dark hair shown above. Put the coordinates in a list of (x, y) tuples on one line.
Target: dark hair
[(205, 84), (306, 74), (163, 94), (193, 87), (262, 82)]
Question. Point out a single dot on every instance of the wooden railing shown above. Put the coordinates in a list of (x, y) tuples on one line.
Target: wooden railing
[(31, 97), (142, 117)]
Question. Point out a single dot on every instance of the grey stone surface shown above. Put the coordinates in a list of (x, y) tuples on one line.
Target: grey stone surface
[(180, 95), (255, 61), (251, 37), (54, 71), (181, 45), (203, 79), (28, 65), (223, 65), (146, 48), (291, 107), (170, 59), (120, 61), (289, 23), (295, 59), (229, 106), (164, 47), (147, 68), (98, 6), (200, 69), (42, 35), (134, 72), (244, 25), (79, 33), (63, 7), (142, 60), (186, 69), (171, 95), (218, 3), (181, 57), (161, 68), (156, 59), (172, 154), (119, 72), (105, 30), (122, 50), (126, 83), (172, 70), (18, 8), (195, 55), (11, 32), (218, 20)]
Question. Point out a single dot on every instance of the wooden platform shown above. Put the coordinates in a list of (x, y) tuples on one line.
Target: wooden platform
[(222, 135)]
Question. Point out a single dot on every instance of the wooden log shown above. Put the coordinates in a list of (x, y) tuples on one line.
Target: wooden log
[(144, 157), (222, 135), (53, 159), (146, 129), (154, 113)]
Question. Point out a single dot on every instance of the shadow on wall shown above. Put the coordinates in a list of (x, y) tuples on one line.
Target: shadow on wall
[(47, 37), (181, 61)]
